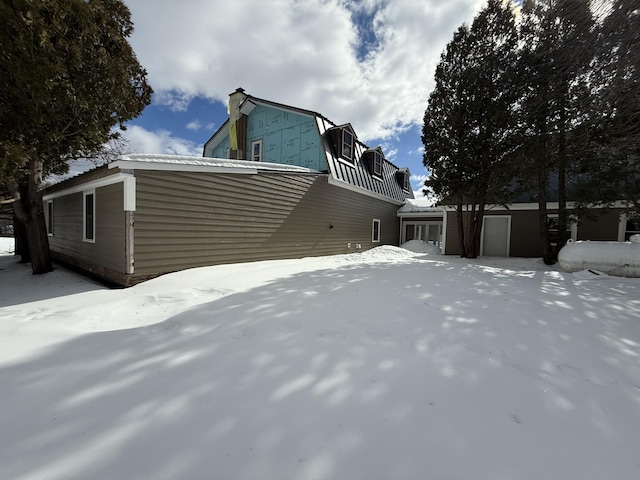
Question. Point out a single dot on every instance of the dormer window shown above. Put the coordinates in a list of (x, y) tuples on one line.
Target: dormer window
[(377, 164), (373, 158), (404, 179), (347, 144), (343, 143), (407, 183)]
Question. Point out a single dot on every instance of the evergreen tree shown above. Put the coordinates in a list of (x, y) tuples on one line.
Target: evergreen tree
[(612, 171), (555, 64), (470, 119), (68, 77)]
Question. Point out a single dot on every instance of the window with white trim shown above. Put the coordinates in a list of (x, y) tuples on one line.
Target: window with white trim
[(377, 164), (403, 177), (632, 227), (89, 217), (49, 217), (256, 150), (554, 228), (375, 230), (347, 144)]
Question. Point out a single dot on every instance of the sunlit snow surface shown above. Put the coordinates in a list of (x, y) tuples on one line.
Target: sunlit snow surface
[(387, 364)]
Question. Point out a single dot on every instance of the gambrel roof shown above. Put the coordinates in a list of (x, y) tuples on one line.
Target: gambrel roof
[(355, 172)]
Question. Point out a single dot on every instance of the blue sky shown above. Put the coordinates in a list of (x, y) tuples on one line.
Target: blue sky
[(367, 62)]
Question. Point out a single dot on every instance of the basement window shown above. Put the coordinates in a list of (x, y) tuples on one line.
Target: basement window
[(89, 217)]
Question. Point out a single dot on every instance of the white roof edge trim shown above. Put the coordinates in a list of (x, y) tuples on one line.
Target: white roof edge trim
[(249, 103), (534, 206), (214, 141), (129, 200), (174, 167), (149, 161), (438, 213), (363, 191)]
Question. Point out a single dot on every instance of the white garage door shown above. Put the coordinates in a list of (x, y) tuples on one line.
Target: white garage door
[(496, 232)]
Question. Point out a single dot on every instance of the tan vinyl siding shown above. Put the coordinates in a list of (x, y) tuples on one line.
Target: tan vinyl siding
[(525, 232), (108, 251), (604, 227), (186, 220)]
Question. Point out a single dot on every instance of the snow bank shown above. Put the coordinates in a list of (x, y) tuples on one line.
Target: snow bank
[(6, 246), (621, 259), (418, 246)]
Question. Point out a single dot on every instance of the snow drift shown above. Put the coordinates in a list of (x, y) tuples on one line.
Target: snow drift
[(418, 246)]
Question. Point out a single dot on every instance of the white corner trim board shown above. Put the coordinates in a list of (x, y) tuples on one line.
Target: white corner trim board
[(129, 189)]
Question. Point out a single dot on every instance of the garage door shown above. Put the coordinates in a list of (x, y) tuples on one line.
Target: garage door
[(496, 232)]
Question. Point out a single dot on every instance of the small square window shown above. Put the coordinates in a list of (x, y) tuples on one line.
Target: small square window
[(256, 150), (375, 231), (347, 144)]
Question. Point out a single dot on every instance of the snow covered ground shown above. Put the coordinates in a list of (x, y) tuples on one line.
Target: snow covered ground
[(388, 364)]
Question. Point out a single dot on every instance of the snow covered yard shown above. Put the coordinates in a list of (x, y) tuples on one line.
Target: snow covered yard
[(383, 365)]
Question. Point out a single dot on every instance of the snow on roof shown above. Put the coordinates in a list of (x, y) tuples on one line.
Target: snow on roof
[(420, 205), (178, 162)]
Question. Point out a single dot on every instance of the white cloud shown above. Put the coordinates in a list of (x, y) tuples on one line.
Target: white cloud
[(197, 125), (418, 194), (390, 152), (141, 140), (300, 53), (419, 178)]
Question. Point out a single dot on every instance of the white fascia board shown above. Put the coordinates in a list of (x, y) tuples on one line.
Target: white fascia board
[(362, 191), (534, 206), (439, 213), (218, 136), (176, 167), (129, 188), (247, 107)]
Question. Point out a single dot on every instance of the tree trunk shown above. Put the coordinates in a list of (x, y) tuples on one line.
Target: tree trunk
[(547, 256), (20, 240), (463, 250), (562, 187), (472, 252), (30, 212), (477, 229)]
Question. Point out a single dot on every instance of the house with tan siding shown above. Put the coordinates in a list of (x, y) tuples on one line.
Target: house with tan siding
[(274, 182), (510, 231)]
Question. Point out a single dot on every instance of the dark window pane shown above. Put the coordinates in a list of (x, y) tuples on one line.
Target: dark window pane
[(88, 217)]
